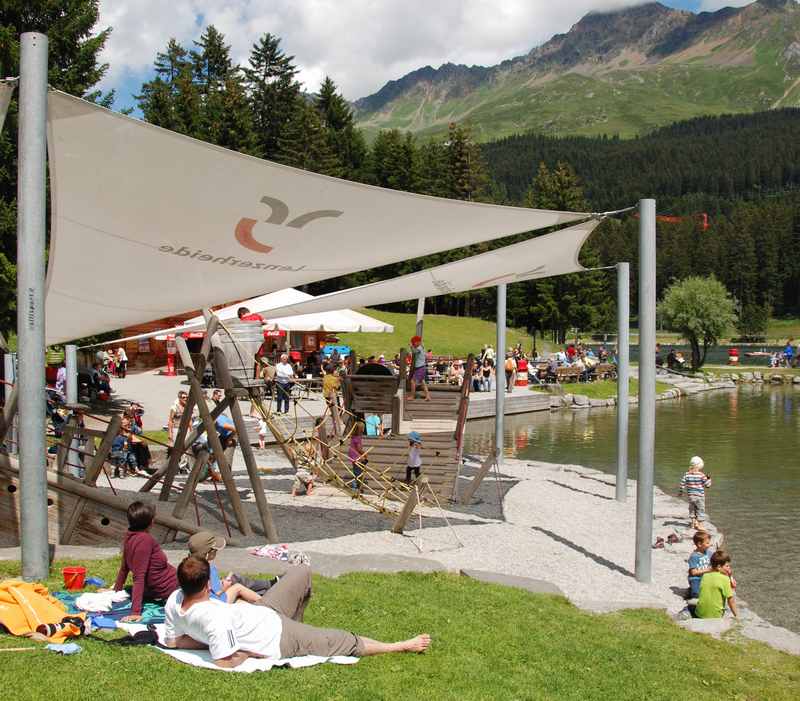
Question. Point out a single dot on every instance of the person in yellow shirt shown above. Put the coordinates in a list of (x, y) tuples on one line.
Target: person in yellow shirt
[(331, 383)]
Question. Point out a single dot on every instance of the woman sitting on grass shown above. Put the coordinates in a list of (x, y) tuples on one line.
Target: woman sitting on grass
[(154, 579)]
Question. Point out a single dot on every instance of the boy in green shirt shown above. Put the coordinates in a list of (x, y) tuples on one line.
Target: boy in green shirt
[(716, 589)]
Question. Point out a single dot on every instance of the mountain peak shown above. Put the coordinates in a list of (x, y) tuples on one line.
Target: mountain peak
[(617, 72)]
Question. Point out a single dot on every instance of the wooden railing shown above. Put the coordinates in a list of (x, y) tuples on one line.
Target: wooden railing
[(463, 405)]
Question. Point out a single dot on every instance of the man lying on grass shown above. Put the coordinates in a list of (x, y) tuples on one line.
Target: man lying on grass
[(271, 628)]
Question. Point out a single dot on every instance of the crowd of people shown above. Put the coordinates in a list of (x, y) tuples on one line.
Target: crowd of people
[(234, 618)]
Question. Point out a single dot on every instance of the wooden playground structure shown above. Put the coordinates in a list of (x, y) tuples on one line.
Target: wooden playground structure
[(82, 513)]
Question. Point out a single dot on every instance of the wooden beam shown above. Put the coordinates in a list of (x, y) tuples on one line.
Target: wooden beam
[(91, 494), (170, 470), (487, 465), (9, 412), (200, 461), (93, 471), (213, 436), (173, 463), (250, 461), (406, 511), (62, 451)]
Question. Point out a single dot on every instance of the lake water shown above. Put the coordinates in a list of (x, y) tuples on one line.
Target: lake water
[(750, 440)]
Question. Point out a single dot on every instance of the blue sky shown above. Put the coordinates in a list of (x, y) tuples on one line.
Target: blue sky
[(361, 44)]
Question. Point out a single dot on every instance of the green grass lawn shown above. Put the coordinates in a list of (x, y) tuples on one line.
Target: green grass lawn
[(489, 642), (606, 389), (159, 435), (444, 335)]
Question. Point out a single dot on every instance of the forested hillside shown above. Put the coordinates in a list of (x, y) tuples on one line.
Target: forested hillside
[(697, 164)]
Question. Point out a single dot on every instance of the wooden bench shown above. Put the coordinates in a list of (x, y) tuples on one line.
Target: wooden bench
[(568, 374), (605, 371)]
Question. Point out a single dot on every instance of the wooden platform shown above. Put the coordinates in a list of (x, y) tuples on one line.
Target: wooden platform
[(439, 459), (521, 401)]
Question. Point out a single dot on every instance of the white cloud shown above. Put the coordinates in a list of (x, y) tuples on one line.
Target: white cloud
[(713, 5), (360, 43)]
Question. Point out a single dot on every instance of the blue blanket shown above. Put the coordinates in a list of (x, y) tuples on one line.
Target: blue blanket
[(151, 612)]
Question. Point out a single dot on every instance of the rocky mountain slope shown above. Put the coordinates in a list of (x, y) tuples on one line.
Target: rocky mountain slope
[(624, 72)]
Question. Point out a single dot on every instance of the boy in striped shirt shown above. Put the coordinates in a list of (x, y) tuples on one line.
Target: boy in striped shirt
[(694, 483)]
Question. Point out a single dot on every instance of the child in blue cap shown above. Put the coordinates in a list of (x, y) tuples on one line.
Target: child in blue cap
[(414, 456)]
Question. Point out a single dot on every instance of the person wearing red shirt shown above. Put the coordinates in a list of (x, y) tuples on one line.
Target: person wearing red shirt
[(153, 577), (244, 314)]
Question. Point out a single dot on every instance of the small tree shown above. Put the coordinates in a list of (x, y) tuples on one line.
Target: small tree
[(700, 309), (752, 321)]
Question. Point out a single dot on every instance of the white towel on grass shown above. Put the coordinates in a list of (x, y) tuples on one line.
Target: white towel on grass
[(202, 658), (101, 600)]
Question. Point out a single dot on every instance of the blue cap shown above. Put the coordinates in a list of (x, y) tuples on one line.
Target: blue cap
[(415, 437)]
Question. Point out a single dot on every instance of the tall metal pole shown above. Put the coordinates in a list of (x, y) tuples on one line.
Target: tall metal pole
[(30, 303), (500, 374), (420, 315), (71, 358), (647, 388), (623, 373)]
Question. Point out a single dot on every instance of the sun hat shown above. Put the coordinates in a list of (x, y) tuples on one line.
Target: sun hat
[(200, 543), (697, 461), (415, 437)]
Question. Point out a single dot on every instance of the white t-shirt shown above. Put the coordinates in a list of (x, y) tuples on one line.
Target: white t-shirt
[(284, 371), (225, 628), (414, 457)]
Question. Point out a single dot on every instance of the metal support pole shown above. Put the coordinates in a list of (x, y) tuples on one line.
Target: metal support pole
[(623, 373), (30, 303), (647, 388), (420, 315), (71, 353), (500, 374)]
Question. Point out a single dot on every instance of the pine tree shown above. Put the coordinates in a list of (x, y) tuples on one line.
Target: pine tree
[(273, 90), (304, 142), (346, 141), (467, 171), (211, 61), (394, 162), (580, 300), (172, 99), (433, 169)]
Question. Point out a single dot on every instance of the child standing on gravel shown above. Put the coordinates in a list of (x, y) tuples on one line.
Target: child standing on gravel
[(695, 483)]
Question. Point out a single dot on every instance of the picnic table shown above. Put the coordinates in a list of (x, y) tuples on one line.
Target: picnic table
[(307, 385)]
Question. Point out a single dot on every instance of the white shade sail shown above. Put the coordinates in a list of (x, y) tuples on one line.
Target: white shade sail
[(147, 223), (6, 90), (336, 321), (544, 256)]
